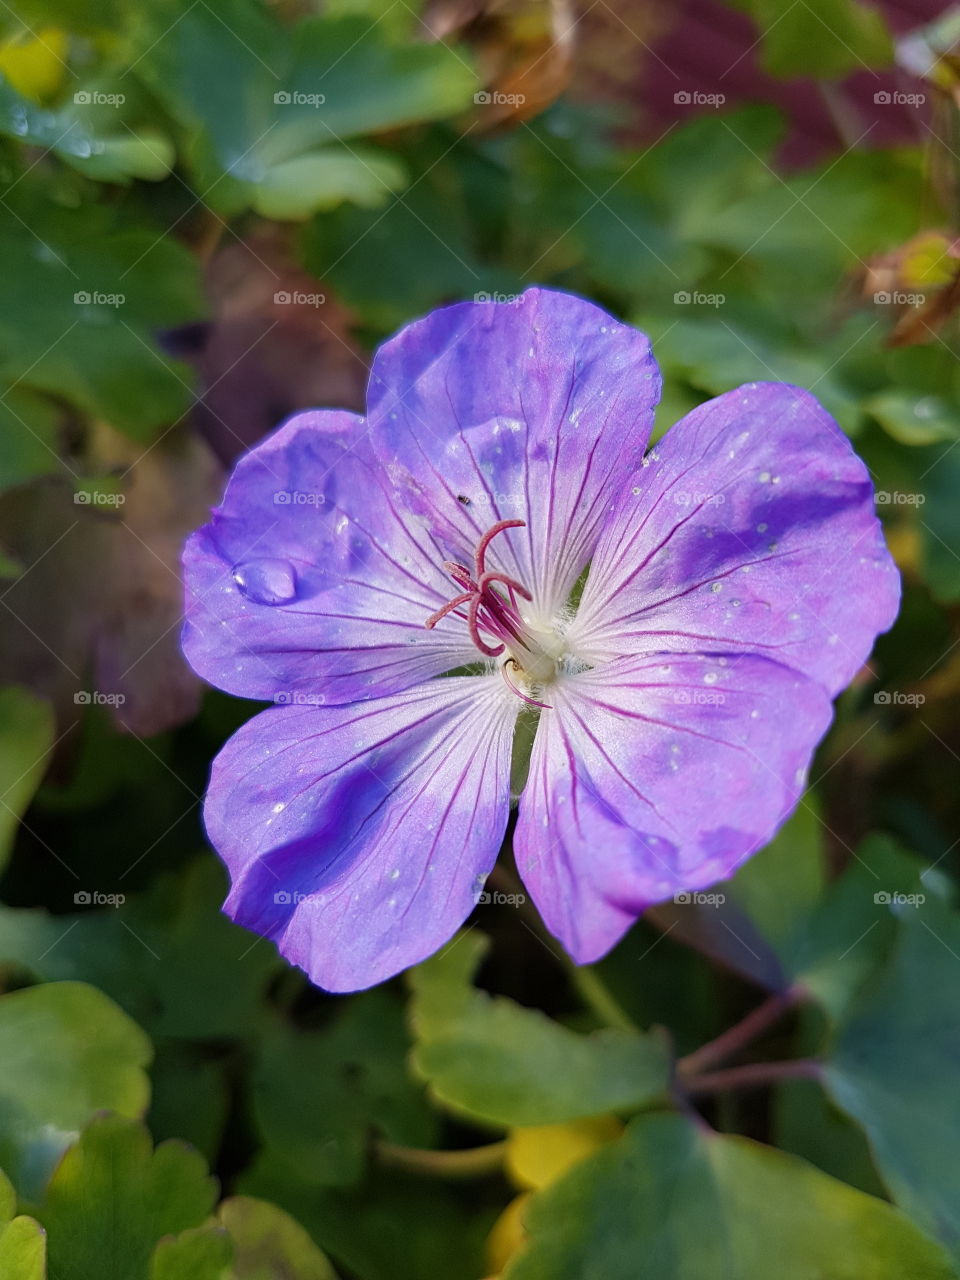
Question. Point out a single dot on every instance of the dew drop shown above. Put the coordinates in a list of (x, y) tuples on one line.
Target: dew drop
[(762, 528), (764, 477), (266, 581), (716, 586), (710, 677)]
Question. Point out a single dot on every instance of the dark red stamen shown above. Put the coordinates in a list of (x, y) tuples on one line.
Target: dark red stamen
[(488, 538), (490, 610)]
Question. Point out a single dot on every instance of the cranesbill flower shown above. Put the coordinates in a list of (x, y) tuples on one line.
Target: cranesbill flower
[(406, 585)]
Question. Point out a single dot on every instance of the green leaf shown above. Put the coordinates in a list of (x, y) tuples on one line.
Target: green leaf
[(826, 38), (692, 1203), (84, 16), (493, 1060), (23, 1250), (23, 1246), (200, 1253), (298, 187), (835, 949), (265, 107), (893, 1068), (89, 133), (86, 294), (718, 347), (915, 418), (169, 956), (785, 879), (939, 517), (388, 1228), (318, 1096), (826, 220), (189, 1094), (113, 1197), (67, 1052), (399, 262), (268, 1243), (807, 1123), (29, 446), (26, 738)]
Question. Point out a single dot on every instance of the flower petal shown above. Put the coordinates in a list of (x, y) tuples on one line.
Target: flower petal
[(533, 410), (751, 528), (655, 775), (305, 583), (357, 837)]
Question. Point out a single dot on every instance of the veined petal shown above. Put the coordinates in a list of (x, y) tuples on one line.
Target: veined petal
[(357, 837), (306, 584), (655, 775), (535, 410), (751, 529)]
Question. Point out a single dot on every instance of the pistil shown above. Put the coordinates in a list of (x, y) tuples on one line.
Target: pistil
[(498, 616)]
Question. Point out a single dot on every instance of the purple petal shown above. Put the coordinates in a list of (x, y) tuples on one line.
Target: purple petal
[(535, 410), (656, 775), (357, 837), (752, 528), (306, 583)]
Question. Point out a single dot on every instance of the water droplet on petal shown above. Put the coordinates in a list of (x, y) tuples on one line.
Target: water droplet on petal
[(716, 586), (266, 581)]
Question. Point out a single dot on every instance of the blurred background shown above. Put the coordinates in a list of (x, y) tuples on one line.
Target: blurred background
[(211, 214)]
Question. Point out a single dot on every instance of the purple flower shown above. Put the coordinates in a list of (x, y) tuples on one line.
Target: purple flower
[(737, 579)]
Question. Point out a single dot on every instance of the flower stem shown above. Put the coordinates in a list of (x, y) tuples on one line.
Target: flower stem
[(753, 1075), (584, 978), (593, 991), (472, 1162), (740, 1034)]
